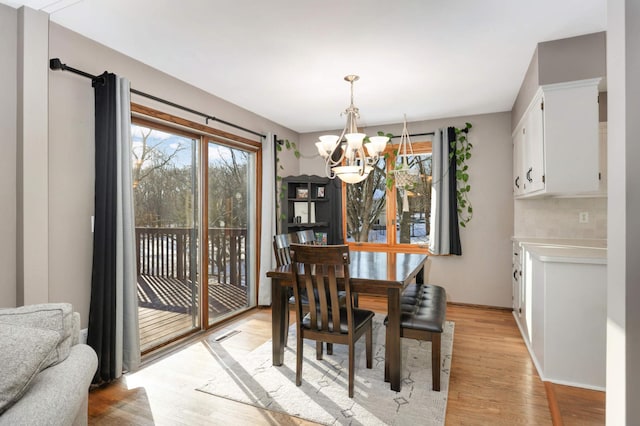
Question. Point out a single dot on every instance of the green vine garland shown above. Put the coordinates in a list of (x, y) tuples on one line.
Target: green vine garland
[(461, 150)]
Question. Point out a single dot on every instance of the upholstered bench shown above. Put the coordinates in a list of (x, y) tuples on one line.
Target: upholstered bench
[(423, 310)]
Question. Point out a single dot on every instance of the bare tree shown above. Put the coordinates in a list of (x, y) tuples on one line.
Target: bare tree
[(363, 206), (163, 191)]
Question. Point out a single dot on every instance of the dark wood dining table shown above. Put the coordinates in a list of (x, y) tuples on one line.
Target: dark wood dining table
[(374, 273)]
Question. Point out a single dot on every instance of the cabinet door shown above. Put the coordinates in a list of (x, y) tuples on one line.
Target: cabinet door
[(515, 281), (534, 148), (602, 158), (526, 290), (571, 137), (518, 164)]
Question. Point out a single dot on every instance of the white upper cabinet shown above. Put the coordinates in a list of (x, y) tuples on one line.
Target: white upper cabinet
[(556, 143)]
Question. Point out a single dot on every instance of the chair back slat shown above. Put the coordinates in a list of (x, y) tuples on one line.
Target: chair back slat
[(306, 237), (282, 249), (318, 269)]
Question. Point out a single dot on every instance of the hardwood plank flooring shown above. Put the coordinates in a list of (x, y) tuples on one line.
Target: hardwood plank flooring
[(493, 381)]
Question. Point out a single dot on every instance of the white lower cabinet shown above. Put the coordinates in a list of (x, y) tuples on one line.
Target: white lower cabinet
[(563, 318)]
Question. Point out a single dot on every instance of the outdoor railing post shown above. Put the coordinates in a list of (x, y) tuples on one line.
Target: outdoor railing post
[(232, 255)]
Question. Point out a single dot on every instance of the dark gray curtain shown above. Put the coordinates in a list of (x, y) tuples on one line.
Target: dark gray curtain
[(444, 232), (113, 320), (454, 229)]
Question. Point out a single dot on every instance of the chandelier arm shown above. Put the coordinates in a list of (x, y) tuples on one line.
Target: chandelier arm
[(363, 160), (338, 144)]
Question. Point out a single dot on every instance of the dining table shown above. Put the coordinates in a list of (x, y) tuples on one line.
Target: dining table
[(370, 273)]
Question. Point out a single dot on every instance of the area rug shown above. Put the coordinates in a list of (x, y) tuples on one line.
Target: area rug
[(323, 395)]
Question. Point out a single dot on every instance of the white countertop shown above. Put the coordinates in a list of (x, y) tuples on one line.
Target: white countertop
[(566, 250)]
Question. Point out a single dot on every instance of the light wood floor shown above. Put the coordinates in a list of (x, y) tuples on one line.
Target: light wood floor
[(493, 381)]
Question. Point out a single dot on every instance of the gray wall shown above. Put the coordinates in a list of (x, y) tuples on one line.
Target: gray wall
[(527, 90), (623, 325), (482, 274), (71, 147), (574, 58), (8, 99)]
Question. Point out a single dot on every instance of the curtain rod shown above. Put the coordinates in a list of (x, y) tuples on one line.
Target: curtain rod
[(56, 64), (281, 141), (416, 134)]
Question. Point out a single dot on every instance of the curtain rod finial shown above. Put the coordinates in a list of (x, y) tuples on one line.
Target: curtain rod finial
[(56, 64)]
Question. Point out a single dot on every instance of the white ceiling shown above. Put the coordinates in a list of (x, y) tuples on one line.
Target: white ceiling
[(286, 59)]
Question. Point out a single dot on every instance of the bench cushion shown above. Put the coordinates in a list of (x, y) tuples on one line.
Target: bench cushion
[(428, 312)]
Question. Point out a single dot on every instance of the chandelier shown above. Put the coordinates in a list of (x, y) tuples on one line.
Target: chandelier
[(346, 158)]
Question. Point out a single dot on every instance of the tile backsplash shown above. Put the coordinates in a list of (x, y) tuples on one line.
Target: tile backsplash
[(560, 218)]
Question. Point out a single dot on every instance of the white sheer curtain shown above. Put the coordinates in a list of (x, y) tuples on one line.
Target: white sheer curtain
[(268, 219), (127, 329), (440, 193)]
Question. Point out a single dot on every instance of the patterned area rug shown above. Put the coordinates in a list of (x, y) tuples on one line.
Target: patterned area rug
[(323, 395)]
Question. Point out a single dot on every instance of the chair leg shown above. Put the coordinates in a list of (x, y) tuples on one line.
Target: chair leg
[(435, 360), (369, 345), (351, 367), (287, 315), (386, 356), (319, 349), (329, 348), (299, 349)]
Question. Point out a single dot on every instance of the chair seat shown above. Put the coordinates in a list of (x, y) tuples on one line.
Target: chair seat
[(360, 318), (305, 300)]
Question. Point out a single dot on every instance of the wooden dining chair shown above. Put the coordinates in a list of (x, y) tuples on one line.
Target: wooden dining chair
[(316, 271), (308, 237), (282, 249), (305, 237), (282, 252)]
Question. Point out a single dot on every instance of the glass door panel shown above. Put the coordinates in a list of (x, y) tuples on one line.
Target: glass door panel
[(165, 181), (231, 207)]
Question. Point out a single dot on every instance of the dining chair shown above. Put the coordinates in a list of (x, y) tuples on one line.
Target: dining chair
[(281, 249), (316, 271), (282, 252), (306, 236)]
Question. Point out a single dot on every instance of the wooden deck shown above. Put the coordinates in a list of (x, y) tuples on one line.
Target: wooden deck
[(165, 307)]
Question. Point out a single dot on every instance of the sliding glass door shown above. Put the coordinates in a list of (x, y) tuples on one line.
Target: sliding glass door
[(230, 228), (196, 210), (165, 180)]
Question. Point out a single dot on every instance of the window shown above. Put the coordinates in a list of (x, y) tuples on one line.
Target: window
[(373, 209)]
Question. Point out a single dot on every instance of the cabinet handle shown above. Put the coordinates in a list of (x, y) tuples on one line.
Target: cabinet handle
[(517, 182), (529, 174)]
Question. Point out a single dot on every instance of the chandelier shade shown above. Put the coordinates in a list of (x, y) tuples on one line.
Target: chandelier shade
[(352, 165)]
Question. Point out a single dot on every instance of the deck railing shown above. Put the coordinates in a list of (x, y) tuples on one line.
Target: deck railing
[(167, 253)]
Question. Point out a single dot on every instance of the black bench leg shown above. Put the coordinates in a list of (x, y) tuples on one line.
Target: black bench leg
[(435, 360)]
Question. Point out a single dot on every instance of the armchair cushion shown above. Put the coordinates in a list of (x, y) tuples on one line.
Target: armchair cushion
[(25, 352)]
